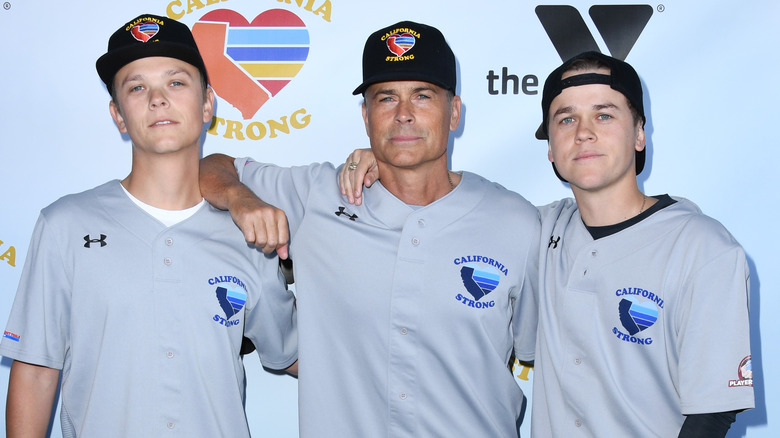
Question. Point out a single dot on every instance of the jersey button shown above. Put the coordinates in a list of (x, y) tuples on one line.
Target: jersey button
[(415, 241), (171, 425), (594, 253), (169, 241), (169, 354), (402, 396), (404, 331), (167, 261), (421, 223), (578, 422), (577, 361)]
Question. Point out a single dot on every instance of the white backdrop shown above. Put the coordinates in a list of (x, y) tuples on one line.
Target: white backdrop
[(708, 68)]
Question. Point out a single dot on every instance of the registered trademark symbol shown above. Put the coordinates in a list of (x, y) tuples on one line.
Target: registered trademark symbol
[(661, 8)]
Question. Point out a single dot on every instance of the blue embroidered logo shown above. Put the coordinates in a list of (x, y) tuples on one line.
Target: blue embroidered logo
[(230, 300), (479, 282), (636, 314), (480, 276)]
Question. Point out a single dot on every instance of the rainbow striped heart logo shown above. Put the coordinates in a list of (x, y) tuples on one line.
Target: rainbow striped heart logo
[(251, 62), (399, 44), (143, 32)]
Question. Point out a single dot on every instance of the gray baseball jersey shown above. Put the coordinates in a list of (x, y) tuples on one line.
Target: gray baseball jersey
[(145, 321), (639, 328), (407, 316)]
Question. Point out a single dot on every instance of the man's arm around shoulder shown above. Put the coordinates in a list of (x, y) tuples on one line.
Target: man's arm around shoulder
[(263, 225), (31, 392)]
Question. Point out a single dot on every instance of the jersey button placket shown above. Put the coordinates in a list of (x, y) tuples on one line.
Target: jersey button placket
[(405, 318), (167, 261)]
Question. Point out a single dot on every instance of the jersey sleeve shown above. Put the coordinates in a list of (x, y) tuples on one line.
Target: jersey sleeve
[(272, 323), (287, 188), (526, 307), (39, 322), (714, 334)]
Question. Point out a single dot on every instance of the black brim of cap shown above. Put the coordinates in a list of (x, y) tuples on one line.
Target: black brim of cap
[(540, 134), (109, 64)]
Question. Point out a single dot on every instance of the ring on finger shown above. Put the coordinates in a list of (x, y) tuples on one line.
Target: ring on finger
[(352, 166)]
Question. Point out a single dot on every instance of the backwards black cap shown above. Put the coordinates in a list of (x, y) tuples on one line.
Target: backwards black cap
[(622, 77), (144, 36), (408, 51)]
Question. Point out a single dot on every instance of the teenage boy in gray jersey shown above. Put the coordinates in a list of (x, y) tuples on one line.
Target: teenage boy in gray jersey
[(410, 304), (644, 300), (138, 290)]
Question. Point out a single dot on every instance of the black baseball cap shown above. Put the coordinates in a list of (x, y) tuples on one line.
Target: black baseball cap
[(145, 36), (408, 51), (622, 77)]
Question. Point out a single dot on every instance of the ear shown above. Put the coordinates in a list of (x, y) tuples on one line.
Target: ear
[(364, 110), (208, 105), (117, 116), (455, 113), (640, 137), (549, 152)]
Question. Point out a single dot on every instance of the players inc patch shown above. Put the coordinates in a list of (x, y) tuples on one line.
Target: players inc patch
[(638, 310), (231, 296), (480, 276), (744, 372)]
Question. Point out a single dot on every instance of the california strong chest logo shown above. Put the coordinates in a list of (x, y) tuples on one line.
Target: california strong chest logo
[(231, 295), (480, 276), (638, 309)]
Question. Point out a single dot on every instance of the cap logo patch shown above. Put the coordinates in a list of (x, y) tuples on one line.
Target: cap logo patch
[(145, 31), (399, 44)]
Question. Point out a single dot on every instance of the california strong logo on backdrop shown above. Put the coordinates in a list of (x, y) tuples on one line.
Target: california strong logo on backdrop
[(252, 57)]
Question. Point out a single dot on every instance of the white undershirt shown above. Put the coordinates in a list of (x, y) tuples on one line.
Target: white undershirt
[(167, 217)]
